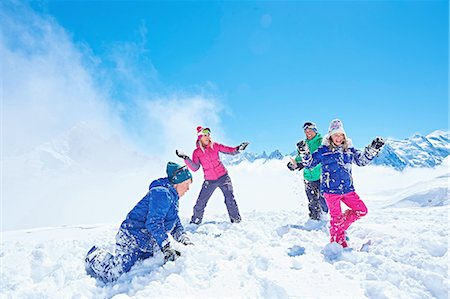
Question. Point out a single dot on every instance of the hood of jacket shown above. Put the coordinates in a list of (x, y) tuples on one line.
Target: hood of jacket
[(163, 182)]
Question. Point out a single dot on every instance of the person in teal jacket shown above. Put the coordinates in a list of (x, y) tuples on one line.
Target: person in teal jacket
[(311, 176)]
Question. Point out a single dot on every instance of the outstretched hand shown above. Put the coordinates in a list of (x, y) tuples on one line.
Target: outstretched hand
[(181, 154), (242, 146), (377, 143), (374, 148)]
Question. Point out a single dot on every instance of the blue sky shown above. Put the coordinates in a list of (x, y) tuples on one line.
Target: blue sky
[(380, 66)]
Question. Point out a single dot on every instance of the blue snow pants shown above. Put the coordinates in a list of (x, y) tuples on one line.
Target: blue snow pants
[(108, 267), (208, 188)]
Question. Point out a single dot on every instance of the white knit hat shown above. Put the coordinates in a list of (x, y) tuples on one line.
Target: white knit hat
[(336, 126)]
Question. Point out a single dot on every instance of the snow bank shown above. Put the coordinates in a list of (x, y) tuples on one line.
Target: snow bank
[(268, 255)]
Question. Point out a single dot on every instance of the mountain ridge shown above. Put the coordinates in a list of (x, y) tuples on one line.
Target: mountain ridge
[(415, 151)]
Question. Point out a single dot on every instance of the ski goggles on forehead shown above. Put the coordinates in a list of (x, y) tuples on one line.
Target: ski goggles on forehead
[(205, 131), (309, 125)]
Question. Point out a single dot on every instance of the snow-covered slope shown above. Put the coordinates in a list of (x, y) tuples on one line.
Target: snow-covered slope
[(269, 255), (274, 253)]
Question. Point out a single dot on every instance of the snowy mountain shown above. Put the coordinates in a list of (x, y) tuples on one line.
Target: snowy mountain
[(245, 156), (417, 151)]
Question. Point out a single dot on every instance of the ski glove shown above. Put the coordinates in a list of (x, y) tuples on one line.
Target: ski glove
[(302, 148), (378, 143), (296, 166), (183, 239), (291, 166), (242, 146), (374, 148), (170, 254), (181, 154)]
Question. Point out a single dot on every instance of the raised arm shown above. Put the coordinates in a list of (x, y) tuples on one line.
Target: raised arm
[(308, 160), (194, 166), (227, 149), (362, 158), (312, 160)]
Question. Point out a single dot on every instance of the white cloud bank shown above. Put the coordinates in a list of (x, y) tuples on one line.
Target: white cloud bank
[(69, 148)]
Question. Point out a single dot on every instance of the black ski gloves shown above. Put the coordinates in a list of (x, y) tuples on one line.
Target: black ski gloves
[(170, 254), (181, 154), (378, 143), (242, 146), (302, 148), (375, 147), (291, 166), (296, 166)]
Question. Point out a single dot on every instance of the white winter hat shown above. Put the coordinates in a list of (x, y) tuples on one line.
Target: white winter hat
[(336, 126)]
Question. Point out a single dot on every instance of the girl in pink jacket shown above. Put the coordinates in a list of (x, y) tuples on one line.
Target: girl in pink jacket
[(207, 155)]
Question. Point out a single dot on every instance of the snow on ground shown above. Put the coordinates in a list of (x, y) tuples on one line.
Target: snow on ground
[(271, 254)]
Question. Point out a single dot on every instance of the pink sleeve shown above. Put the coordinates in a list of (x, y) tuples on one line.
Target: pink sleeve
[(226, 149)]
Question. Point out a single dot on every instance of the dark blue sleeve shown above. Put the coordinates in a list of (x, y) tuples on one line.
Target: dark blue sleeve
[(360, 158), (178, 229), (311, 161), (159, 205)]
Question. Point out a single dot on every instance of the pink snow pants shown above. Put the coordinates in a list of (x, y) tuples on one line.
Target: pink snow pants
[(339, 221)]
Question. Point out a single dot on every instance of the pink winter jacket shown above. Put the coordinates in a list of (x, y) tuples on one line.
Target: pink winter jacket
[(209, 160)]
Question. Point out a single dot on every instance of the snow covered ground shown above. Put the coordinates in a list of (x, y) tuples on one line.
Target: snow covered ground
[(274, 253)]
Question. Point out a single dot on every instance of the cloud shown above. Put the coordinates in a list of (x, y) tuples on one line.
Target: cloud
[(75, 125), (47, 85), (175, 120), (51, 83)]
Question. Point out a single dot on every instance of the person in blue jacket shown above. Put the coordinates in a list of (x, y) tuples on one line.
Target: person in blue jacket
[(336, 155), (145, 228)]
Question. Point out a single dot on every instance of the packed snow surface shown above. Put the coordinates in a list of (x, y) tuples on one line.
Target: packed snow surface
[(399, 250)]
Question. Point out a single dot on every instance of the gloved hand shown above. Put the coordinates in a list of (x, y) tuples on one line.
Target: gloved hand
[(181, 154), (183, 239), (242, 146), (170, 254), (302, 148), (291, 166), (377, 143), (374, 148)]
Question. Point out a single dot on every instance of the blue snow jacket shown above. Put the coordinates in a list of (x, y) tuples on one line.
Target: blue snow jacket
[(337, 166), (154, 216)]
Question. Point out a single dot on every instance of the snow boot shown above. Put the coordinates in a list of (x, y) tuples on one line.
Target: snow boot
[(235, 220), (98, 261), (342, 239)]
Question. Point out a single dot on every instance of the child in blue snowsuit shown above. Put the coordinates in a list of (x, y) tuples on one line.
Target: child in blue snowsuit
[(336, 156), (145, 228)]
